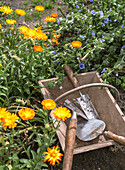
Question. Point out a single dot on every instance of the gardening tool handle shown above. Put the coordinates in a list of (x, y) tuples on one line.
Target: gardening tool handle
[(116, 138), (71, 76), (69, 147)]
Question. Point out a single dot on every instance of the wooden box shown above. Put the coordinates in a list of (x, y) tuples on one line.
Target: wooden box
[(102, 100)]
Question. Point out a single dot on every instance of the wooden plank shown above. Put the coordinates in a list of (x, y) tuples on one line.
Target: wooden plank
[(93, 147)]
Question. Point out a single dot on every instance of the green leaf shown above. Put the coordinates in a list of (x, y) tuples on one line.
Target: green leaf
[(34, 154), (3, 87)]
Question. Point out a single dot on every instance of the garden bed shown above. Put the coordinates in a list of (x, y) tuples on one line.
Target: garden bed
[(108, 158)]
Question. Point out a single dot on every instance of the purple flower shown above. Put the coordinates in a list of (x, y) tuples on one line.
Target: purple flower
[(67, 16), (102, 24), (106, 20), (81, 36), (93, 34), (103, 70), (101, 13), (53, 52), (122, 25), (91, 0), (82, 66), (93, 12), (77, 6), (82, 4), (59, 62), (103, 40), (54, 59), (90, 26), (123, 46), (58, 22)]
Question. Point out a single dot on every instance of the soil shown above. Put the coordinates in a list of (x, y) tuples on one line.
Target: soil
[(109, 158)]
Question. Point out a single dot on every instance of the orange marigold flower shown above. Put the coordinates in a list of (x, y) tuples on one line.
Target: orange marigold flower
[(26, 113), (38, 48), (6, 10), (53, 155), (11, 28), (54, 15), (9, 121), (48, 104), (39, 8), (55, 41), (49, 19), (62, 113), (20, 12), (56, 35), (10, 21), (76, 44)]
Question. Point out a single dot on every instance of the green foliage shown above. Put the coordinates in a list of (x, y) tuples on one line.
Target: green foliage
[(23, 148)]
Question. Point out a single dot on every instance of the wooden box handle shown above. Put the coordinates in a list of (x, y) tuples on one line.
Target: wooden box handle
[(116, 138)]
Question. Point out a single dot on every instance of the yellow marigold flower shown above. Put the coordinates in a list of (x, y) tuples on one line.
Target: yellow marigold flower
[(49, 19), (62, 113), (48, 104), (30, 33), (40, 35), (9, 121), (0, 25), (0, 64), (3, 114), (9, 43), (38, 48), (23, 29), (6, 10), (76, 44), (26, 113), (20, 12), (53, 155), (39, 8), (10, 21), (54, 15)]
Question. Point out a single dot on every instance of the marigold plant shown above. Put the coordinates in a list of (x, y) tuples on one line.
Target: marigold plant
[(53, 155), (76, 44), (39, 8), (48, 104), (6, 10), (49, 19), (54, 15), (11, 21), (20, 12), (9, 121), (26, 113), (38, 48), (62, 113)]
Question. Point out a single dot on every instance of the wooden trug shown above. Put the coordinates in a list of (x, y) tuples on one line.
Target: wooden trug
[(103, 101)]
